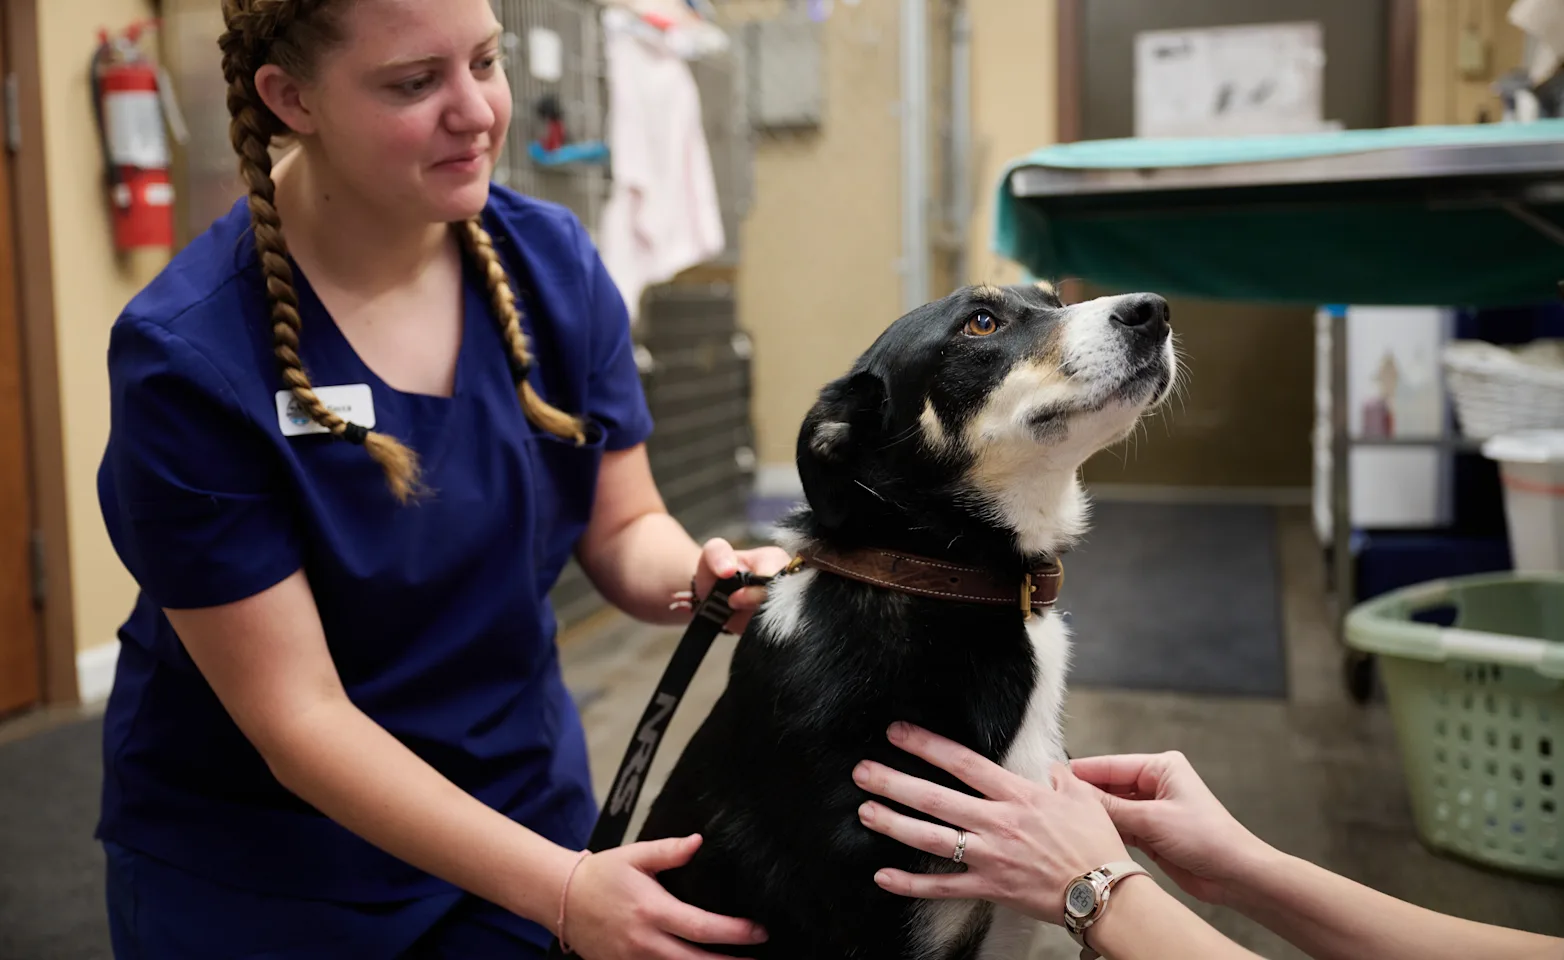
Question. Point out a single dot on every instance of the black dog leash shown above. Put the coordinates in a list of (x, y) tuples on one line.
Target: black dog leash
[(711, 615)]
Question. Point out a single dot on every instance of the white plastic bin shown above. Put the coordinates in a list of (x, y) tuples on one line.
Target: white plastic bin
[(1531, 468)]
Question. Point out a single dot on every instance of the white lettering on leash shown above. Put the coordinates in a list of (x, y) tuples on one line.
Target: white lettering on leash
[(646, 739)]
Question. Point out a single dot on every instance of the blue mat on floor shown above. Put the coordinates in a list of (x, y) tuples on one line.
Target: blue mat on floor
[(1177, 597)]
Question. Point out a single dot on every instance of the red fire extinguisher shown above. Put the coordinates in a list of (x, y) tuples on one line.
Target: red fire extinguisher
[(133, 102)]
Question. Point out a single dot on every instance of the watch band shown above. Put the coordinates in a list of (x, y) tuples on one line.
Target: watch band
[(1102, 879)]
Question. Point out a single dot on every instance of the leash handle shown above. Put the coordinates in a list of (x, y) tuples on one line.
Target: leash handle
[(711, 615)]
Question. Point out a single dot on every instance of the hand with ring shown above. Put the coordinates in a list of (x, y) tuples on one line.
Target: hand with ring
[(1021, 842)]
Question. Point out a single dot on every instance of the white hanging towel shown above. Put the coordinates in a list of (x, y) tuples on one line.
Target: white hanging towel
[(662, 215), (1543, 21)]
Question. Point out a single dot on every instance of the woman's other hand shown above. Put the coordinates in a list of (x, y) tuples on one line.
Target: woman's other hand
[(719, 561), (1025, 841), (1160, 804), (616, 909)]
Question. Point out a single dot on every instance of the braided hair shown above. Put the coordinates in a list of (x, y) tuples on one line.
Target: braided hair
[(291, 34)]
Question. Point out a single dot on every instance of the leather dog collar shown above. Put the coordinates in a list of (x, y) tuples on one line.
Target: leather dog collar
[(1037, 590)]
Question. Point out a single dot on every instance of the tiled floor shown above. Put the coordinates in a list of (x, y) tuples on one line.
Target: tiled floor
[(1315, 774)]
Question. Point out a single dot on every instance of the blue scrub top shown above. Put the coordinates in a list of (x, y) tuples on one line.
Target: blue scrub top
[(436, 613)]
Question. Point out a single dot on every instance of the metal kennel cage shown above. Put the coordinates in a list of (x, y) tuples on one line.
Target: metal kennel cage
[(722, 80), (555, 48), (699, 386), (694, 358)]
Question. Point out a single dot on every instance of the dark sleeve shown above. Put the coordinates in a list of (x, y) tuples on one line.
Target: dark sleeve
[(191, 487), (615, 397)]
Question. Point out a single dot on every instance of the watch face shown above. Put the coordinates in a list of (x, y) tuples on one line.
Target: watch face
[(1080, 899)]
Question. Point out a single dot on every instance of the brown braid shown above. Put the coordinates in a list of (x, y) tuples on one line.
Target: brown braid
[(287, 32), (503, 299)]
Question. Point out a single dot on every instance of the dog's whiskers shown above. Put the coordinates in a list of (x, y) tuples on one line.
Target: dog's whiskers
[(905, 435), (871, 490)]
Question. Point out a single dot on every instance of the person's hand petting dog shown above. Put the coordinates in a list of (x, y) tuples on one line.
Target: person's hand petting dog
[(1024, 843), (1160, 805)]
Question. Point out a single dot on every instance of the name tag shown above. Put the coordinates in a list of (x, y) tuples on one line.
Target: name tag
[(352, 402)]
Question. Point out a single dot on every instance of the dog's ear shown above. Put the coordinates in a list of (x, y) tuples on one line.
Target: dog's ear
[(847, 420)]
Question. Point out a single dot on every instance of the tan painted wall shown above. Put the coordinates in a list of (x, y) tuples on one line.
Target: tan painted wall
[(1446, 93), (91, 286), (820, 243), (1014, 106)]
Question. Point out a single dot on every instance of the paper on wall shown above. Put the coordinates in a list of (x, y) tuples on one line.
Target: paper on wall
[(545, 54), (1222, 81)]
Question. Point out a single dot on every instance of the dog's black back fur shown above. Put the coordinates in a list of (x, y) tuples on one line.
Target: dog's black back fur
[(767, 779)]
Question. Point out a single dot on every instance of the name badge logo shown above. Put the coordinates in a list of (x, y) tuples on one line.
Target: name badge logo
[(352, 402)]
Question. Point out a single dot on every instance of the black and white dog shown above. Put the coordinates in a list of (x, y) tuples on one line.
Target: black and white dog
[(955, 438)]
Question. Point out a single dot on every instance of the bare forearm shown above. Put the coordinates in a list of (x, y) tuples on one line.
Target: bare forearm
[(348, 767), (1332, 918), (643, 565), (1145, 922)]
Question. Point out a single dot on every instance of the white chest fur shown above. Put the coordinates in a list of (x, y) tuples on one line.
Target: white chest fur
[(1037, 745)]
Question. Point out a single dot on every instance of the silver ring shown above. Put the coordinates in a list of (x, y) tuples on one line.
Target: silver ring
[(961, 845)]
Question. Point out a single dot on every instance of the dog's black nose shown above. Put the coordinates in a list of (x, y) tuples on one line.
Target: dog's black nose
[(1142, 310)]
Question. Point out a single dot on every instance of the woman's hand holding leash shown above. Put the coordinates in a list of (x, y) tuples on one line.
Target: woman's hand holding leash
[(615, 909), (720, 561)]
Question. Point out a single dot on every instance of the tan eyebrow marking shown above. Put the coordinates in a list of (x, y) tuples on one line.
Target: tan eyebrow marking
[(988, 293)]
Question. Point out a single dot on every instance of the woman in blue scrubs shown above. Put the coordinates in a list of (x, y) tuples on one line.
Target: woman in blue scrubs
[(358, 427)]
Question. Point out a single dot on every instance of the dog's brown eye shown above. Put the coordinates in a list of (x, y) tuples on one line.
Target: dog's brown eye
[(981, 325)]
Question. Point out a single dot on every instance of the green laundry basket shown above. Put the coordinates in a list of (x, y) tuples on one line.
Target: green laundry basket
[(1478, 707)]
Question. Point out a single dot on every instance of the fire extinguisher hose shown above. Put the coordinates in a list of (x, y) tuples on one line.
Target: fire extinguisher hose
[(96, 83)]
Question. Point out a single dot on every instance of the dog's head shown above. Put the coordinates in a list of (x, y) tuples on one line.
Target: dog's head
[(980, 408)]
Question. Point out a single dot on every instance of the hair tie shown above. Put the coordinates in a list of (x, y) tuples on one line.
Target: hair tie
[(519, 369), (355, 434)]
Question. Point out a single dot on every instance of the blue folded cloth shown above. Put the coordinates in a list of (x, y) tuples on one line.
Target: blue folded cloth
[(1138, 153), (585, 151)]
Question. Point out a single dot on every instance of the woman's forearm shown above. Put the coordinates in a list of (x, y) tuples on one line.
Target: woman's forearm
[(1332, 918), (350, 769), (1145, 922), (643, 565)]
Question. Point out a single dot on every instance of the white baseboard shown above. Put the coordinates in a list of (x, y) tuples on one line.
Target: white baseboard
[(1156, 493), (95, 672)]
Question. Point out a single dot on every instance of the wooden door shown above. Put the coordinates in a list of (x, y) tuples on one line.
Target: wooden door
[(20, 685)]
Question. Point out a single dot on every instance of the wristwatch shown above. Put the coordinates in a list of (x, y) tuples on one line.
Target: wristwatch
[(1086, 898)]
